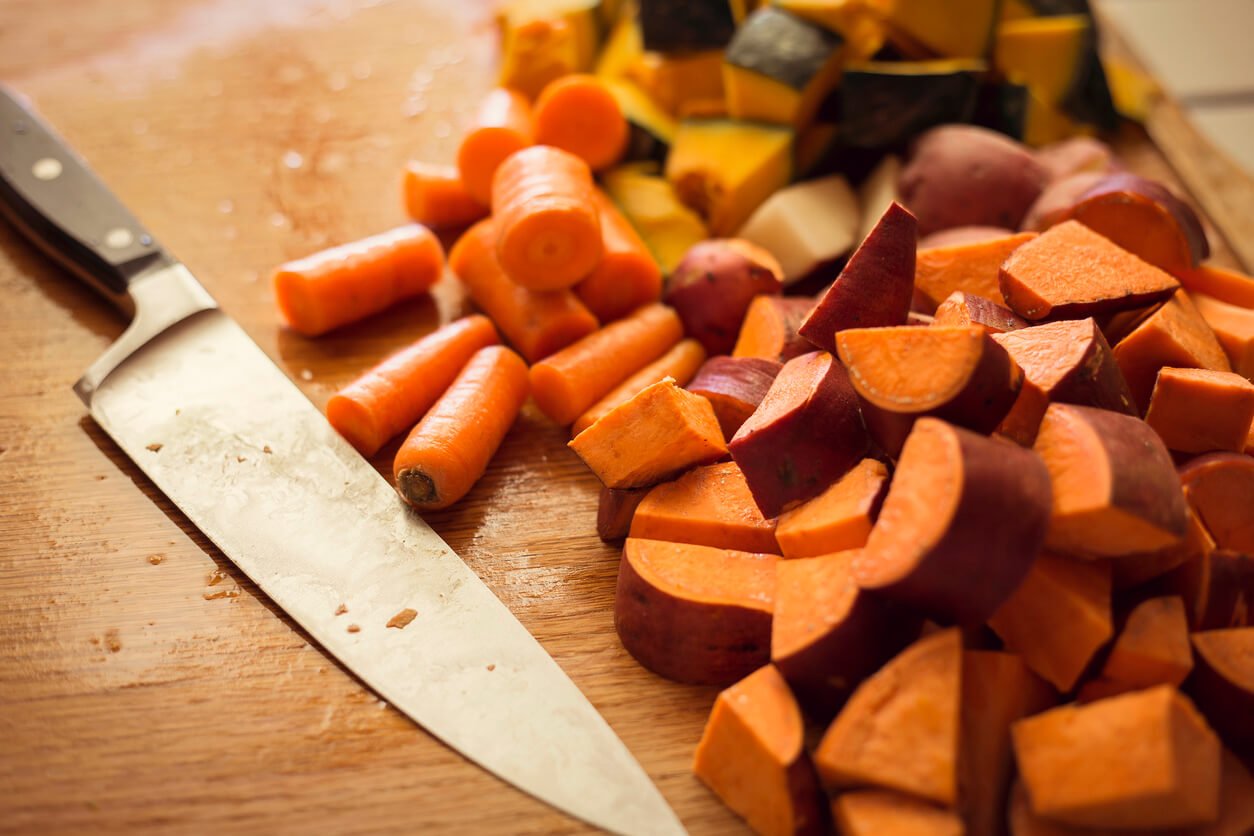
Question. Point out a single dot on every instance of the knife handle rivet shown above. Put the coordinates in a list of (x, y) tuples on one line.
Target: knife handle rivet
[(118, 238), (48, 168)]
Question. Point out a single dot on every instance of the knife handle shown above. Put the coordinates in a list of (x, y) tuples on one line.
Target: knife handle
[(51, 195)]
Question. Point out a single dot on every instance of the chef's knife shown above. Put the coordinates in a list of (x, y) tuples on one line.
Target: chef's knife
[(225, 435)]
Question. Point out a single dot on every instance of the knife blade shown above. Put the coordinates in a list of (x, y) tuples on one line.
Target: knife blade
[(223, 433)]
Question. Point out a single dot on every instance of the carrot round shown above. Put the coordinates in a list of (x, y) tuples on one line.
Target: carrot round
[(501, 126), (548, 229), (435, 196), (334, 287), (579, 114), (627, 275), (450, 448), (394, 394), (680, 363)]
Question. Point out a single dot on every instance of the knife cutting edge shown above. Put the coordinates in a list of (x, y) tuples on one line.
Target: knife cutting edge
[(222, 432)]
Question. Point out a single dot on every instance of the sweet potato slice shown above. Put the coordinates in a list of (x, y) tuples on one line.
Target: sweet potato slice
[(769, 329), (829, 635), (1219, 283), (840, 518), (964, 518), (1070, 271), (1058, 618), (1152, 648), (1220, 487), (1135, 569), (806, 434), (695, 614), (971, 267), (899, 730), (752, 754), (961, 308), (1217, 589), (707, 506), (875, 287), (1115, 490), (1144, 759), (1066, 362), (615, 508), (1200, 411), (662, 431), (1174, 335), (734, 386), (879, 812), (997, 689), (1222, 684), (1233, 326)]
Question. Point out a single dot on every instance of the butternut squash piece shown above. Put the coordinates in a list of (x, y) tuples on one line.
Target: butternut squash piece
[(707, 506), (971, 267), (838, 519)]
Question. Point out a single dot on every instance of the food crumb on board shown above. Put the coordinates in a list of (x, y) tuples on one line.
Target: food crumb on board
[(341, 609), (241, 459), (401, 620), (267, 450), (491, 668), (155, 447), (353, 628), (156, 559), (112, 640)]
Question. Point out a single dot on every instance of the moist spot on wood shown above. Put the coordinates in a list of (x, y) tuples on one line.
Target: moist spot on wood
[(155, 447), (112, 640), (401, 620)]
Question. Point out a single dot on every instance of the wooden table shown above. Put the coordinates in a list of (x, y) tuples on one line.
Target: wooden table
[(143, 682)]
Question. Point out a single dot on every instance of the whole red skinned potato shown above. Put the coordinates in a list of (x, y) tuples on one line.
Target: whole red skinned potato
[(713, 285)]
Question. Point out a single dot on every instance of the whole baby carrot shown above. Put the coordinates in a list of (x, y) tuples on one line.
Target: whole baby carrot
[(436, 197), (627, 276), (394, 394), (450, 448), (350, 282), (579, 114), (501, 126), (548, 232)]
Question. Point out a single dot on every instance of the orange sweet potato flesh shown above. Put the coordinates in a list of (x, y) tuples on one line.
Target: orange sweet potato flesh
[(1222, 684), (1058, 618), (769, 328), (615, 509), (660, 432), (1115, 490), (752, 754), (964, 517), (1153, 646), (1220, 487), (838, 519), (708, 506), (1144, 759), (695, 614), (1070, 271), (1135, 569), (877, 812), (1219, 283), (1217, 588), (734, 386), (1233, 327), (828, 635), (900, 729), (1200, 411), (970, 267), (962, 308)]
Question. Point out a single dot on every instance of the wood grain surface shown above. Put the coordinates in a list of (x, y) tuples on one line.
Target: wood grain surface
[(144, 685)]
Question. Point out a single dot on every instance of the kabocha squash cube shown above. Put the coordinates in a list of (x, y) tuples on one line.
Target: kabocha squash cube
[(955, 29), (683, 83), (886, 103), (686, 25), (651, 129), (542, 40), (1047, 54), (778, 67), (668, 227), (858, 23)]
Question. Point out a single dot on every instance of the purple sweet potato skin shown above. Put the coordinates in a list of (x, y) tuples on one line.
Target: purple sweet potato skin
[(1190, 224), (806, 434), (1079, 154), (969, 309), (1217, 589), (1227, 704), (1057, 199), (959, 235), (713, 285), (877, 285), (615, 508), (735, 386)]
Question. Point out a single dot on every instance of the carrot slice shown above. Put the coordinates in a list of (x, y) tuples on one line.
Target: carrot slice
[(1198, 410), (436, 197), (968, 266), (876, 812), (627, 275), (1234, 328), (579, 114), (838, 519), (323, 291), (450, 447), (548, 231), (734, 386), (679, 364), (537, 324), (708, 506), (393, 395), (1223, 684), (961, 308), (770, 328), (501, 127), (569, 381), (1219, 283)]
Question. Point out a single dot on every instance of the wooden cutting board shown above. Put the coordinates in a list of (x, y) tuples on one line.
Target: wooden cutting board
[(143, 682)]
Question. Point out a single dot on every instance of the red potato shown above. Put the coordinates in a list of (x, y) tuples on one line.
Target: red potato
[(615, 509), (713, 284), (968, 309), (695, 614), (1220, 487), (964, 518), (960, 235), (962, 175), (1078, 154), (1217, 589), (1222, 684), (769, 330), (734, 386), (805, 434), (1055, 202)]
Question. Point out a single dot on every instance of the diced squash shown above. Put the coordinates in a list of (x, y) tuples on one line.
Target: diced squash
[(1047, 54), (686, 25), (858, 22), (1134, 92), (676, 82), (651, 129), (885, 103), (956, 29), (545, 39), (805, 224), (669, 228)]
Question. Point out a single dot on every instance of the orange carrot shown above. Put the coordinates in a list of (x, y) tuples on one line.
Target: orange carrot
[(1198, 410), (1219, 283), (838, 519), (548, 232), (566, 383), (435, 196), (680, 363), (537, 324), (579, 114), (393, 395), (449, 449), (627, 275), (502, 126), (323, 291), (707, 506)]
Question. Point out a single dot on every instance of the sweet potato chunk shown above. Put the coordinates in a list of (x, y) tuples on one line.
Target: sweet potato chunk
[(960, 308), (899, 730), (1217, 589), (970, 266), (1152, 648), (1220, 487), (840, 518), (615, 508), (1115, 490), (695, 613), (1223, 683), (769, 330), (1144, 759), (1199, 411), (1219, 283), (964, 518), (734, 386), (752, 754), (1233, 327), (1070, 271), (707, 506), (1135, 569), (879, 812)]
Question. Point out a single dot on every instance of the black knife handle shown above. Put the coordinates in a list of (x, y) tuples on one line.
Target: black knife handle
[(53, 197)]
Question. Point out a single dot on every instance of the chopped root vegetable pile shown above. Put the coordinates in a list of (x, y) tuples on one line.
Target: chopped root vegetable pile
[(943, 472)]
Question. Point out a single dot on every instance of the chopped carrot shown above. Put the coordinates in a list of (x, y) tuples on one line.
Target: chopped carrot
[(548, 230), (1223, 684), (537, 324), (579, 114), (1219, 283), (323, 291), (627, 275), (840, 518), (1234, 328), (962, 308), (566, 383), (1220, 487), (734, 386), (435, 196), (450, 447), (877, 812), (969, 266), (501, 127), (1153, 647), (708, 506), (680, 364), (769, 329), (1198, 410), (393, 395)]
